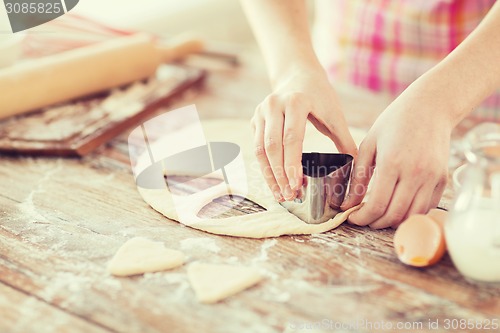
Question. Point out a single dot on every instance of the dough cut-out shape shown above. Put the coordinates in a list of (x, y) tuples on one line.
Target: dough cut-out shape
[(276, 221), (140, 255), (213, 283)]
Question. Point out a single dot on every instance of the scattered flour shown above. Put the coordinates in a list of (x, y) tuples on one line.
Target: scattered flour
[(325, 242), (77, 285), (31, 311), (274, 294), (27, 207), (200, 243), (232, 260), (263, 250), (347, 289), (179, 280)]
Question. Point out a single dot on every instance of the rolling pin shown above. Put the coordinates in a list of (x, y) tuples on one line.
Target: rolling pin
[(31, 85)]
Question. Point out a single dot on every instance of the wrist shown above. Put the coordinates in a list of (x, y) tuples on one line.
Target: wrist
[(419, 106), (439, 100), (297, 69)]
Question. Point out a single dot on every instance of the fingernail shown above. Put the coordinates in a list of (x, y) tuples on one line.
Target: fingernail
[(278, 196), (345, 202), (293, 184)]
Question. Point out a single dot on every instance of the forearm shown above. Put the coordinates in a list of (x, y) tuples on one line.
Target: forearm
[(471, 72), (282, 31)]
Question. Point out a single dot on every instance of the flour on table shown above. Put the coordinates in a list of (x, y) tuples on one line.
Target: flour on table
[(263, 250), (140, 255), (273, 222), (213, 283), (200, 243)]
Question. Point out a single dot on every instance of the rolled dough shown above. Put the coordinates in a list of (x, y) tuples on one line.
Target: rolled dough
[(276, 221), (140, 255), (213, 283)]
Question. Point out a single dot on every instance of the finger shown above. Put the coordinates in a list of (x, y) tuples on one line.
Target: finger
[(420, 204), (422, 201), (337, 130), (399, 205), (385, 181), (360, 176), (438, 191), (273, 143), (343, 140), (339, 133), (260, 154), (293, 138)]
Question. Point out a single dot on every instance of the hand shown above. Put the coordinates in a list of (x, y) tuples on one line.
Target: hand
[(279, 125), (409, 145)]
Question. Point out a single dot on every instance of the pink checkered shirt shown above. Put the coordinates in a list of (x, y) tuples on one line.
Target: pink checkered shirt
[(384, 45)]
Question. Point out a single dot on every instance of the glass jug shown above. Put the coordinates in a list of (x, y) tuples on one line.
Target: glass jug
[(473, 228)]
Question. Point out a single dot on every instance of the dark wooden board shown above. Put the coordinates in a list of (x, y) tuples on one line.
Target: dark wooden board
[(78, 127)]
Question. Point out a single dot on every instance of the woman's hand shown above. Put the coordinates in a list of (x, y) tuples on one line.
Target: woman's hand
[(301, 92), (408, 147), (279, 124)]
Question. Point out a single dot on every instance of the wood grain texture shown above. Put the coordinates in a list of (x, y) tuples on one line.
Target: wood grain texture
[(22, 312), (63, 219), (78, 127)]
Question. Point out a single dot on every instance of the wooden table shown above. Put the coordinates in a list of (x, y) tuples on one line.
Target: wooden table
[(63, 219)]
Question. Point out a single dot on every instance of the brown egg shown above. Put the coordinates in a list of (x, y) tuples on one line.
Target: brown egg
[(438, 215), (419, 241)]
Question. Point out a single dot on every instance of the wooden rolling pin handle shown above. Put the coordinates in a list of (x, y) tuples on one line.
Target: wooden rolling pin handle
[(83, 71), (178, 49)]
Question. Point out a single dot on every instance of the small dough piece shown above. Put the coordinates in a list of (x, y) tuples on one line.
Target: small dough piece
[(140, 255), (213, 283)]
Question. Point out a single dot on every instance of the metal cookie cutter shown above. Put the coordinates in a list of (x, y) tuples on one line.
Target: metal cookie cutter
[(326, 177)]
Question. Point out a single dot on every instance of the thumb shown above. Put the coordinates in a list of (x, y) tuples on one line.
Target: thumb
[(360, 176)]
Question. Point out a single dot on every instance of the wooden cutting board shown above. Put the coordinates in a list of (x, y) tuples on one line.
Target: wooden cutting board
[(78, 127)]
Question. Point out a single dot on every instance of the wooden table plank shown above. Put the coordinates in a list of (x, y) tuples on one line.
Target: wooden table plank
[(336, 275), (22, 313), (63, 219)]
